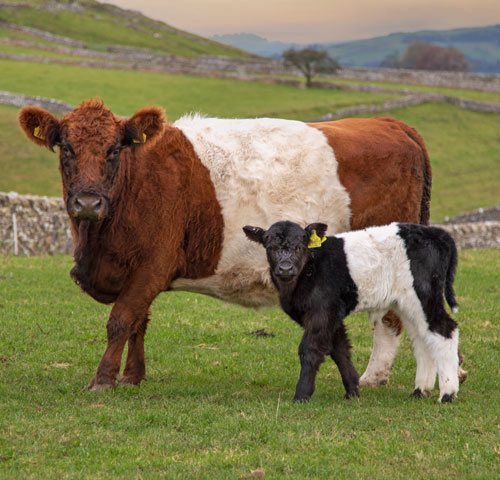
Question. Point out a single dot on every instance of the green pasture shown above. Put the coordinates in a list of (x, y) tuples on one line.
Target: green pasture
[(125, 91), (218, 401)]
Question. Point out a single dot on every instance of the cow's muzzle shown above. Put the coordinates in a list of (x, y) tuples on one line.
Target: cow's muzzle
[(88, 206)]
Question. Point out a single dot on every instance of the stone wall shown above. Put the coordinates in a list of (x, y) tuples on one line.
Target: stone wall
[(31, 225)]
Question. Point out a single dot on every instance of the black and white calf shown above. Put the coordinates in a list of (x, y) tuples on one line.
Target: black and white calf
[(401, 267)]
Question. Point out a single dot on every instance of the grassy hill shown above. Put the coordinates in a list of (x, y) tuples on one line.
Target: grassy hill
[(100, 25), (480, 45)]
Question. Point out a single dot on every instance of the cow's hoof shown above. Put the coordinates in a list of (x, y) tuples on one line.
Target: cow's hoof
[(447, 398), (131, 380), (376, 381), (462, 375), (94, 386)]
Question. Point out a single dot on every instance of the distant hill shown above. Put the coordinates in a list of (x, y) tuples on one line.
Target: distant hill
[(100, 25), (255, 44), (481, 46)]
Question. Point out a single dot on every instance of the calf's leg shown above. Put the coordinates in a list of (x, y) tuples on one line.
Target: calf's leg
[(426, 370), (341, 355), (310, 360), (386, 338), (444, 353)]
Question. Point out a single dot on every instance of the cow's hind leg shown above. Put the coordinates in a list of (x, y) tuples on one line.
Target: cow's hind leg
[(341, 355), (386, 338), (135, 367)]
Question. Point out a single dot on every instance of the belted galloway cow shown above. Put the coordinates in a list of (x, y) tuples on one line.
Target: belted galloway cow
[(156, 206)]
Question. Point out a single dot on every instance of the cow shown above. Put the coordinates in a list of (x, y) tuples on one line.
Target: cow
[(156, 206), (401, 266)]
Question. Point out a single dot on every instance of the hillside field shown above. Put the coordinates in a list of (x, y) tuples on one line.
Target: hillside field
[(218, 401), (463, 145)]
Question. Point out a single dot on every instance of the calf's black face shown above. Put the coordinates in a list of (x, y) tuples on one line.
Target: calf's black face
[(286, 245)]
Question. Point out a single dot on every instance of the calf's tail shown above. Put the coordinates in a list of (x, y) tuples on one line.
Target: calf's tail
[(449, 292)]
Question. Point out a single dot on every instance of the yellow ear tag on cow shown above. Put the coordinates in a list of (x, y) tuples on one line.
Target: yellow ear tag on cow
[(143, 139), (315, 241), (37, 134)]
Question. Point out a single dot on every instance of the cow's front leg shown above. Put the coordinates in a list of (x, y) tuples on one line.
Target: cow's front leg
[(135, 367), (126, 322)]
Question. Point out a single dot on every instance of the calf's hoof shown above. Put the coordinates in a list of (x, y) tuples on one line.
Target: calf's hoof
[(352, 394), (95, 386), (462, 375), (447, 398), (301, 399), (417, 393)]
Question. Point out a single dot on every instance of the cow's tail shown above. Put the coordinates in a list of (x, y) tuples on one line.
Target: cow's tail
[(425, 203), (449, 292)]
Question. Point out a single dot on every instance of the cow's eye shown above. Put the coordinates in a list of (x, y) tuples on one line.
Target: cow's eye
[(65, 149)]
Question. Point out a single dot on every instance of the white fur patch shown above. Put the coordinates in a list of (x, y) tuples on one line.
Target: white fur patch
[(263, 170), (378, 264)]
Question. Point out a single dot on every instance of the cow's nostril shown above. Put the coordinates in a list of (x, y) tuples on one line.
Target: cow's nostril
[(77, 205)]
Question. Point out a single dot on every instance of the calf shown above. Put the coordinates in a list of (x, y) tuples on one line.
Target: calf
[(401, 267)]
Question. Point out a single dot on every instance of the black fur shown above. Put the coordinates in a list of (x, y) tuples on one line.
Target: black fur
[(433, 262), (304, 278)]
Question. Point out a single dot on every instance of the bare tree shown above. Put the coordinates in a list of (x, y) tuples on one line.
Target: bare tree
[(421, 55), (310, 62)]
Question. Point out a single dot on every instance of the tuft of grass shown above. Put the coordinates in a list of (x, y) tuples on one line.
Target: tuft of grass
[(218, 402)]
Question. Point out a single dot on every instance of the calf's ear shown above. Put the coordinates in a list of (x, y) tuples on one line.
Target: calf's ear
[(319, 228), (254, 233), (144, 125), (39, 126)]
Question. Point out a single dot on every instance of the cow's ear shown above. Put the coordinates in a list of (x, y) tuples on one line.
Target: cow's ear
[(40, 126), (144, 125), (254, 233), (319, 228)]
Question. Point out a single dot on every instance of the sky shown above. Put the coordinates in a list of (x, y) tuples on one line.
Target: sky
[(310, 21)]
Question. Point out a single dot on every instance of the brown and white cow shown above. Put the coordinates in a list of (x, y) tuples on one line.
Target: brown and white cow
[(157, 206)]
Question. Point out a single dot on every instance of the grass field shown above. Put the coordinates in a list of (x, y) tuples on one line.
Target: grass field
[(218, 401)]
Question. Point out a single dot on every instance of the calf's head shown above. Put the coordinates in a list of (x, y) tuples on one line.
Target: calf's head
[(287, 246), (91, 141)]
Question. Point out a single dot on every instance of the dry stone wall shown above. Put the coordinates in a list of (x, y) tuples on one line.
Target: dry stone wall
[(31, 225)]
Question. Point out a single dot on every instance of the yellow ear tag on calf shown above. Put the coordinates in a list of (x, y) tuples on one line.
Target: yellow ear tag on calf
[(315, 241), (143, 139), (37, 134)]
